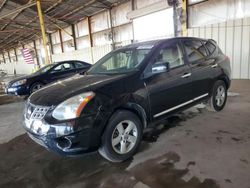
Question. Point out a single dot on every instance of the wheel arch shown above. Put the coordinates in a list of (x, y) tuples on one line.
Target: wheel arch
[(35, 82), (136, 109), (225, 79)]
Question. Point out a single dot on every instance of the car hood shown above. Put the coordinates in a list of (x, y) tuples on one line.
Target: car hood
[(58, 92)]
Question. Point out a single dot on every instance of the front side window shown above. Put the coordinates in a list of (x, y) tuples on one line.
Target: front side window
[(119, 62), (195, 50), (172, 55), (45, 68)]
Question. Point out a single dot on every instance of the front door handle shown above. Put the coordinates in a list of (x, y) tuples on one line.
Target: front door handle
[(186, 75), (215, 65)]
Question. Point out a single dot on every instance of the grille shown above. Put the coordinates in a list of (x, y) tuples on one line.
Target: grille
[(35, 112)]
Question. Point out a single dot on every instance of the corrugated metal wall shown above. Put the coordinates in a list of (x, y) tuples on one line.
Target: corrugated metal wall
[(214, 11), (21, 67), (233, 38), (90, 55)]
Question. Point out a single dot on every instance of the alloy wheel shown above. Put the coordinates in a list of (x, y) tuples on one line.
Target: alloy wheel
[(36, 87), (220, 96), (124, 137)]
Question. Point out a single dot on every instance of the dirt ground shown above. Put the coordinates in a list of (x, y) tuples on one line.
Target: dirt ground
[(193, 149)]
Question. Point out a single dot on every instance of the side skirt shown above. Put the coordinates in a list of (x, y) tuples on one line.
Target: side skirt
[(180, 105)]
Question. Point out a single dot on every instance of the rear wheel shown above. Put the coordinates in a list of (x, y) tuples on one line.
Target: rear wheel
[(219, 96), (36, 86), (122, 137)]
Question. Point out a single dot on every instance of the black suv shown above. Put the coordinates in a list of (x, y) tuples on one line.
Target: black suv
[(25, 85), (125, 92)]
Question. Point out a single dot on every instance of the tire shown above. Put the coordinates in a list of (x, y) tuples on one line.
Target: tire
[(218, 96), (36, 86), (118, 144)]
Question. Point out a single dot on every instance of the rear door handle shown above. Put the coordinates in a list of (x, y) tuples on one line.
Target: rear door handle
[(186, 75), (215, 65)]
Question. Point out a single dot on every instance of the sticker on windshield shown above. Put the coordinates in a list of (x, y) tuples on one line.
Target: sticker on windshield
[(145, 47)]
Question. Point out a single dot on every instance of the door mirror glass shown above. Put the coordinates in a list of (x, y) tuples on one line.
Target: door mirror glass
[(160, 67)]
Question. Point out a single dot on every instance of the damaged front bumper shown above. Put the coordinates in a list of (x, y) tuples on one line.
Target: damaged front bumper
[(66, 138)]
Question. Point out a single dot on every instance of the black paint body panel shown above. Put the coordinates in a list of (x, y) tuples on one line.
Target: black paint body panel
[(144, 95)]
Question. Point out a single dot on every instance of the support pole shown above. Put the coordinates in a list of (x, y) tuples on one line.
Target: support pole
[(4, 59), (133, 7), (9, 56), (51, 44), (36, 54), (61, 41), (40, 15), (185, 18), (90, 39), (74, 35), (15, 54), (175, 18), (111, 29), (90, 32), (15, 61)]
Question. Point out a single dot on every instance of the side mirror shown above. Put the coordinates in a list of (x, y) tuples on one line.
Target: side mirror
[(160, 67)]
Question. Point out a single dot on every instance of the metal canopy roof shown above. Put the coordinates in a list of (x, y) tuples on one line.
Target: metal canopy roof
[(19, 21)]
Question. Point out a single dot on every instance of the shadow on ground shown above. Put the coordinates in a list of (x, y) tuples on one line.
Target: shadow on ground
[(171, 122), (26, 164)]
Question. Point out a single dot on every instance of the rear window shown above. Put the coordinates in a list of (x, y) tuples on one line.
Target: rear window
[(210, 47), (195, 50)]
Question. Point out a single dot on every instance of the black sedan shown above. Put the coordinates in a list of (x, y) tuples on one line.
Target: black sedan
[(126, 92), (28, 84)]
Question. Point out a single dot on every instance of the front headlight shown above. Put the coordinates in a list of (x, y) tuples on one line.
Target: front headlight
[(72, 107), (18, 83)]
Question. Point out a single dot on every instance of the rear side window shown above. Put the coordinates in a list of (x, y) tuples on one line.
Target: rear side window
[(79, 65), (195, 50), (210, 47), (62, 67)]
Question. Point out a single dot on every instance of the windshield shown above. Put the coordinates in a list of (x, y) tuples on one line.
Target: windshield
[(45, 68), (120, 62)]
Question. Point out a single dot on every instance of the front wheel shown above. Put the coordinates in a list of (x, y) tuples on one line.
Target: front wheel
[(218, 96), (122, 136), (35, 87)]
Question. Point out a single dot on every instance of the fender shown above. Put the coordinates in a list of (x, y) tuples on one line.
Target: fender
[(138, 110), (226, 79)]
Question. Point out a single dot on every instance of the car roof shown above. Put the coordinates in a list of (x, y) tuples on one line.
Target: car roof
[(156, 42), (67, 61)]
